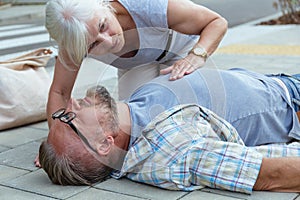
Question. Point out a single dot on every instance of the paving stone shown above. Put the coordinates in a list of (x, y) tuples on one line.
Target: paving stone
[(7, 193), (256, 195), (284, 35), (93, 193), (226, 193), (125, 186), (21, 157), (38, 182), (8, 173), (196, 195), (233, 35), (261, 64), (18, 136), (2, 148), (40, 125), (278, 68), (223, 61), (97, 75)]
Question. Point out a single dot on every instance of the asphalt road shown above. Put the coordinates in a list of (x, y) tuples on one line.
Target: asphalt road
[(240, 11)]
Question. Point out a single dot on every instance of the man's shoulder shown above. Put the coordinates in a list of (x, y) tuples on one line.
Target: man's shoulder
[(178, 111), (191, 119)]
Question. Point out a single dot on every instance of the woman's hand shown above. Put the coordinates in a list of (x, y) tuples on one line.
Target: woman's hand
[(184, 66)]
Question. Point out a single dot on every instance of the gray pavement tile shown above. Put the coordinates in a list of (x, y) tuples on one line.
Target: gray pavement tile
[(97, 72), (256, 195), (125, 186), (38, 182), (7, 193), (196, 195), (282, 35), (18, 136), (40, 125), (259, 63), (93, 193), (226, 193), (275, 69), (2, 148), (223, 61), (251, 33), (8, 173), (21, 13), (250, 62), (254, 61), (21, 157)]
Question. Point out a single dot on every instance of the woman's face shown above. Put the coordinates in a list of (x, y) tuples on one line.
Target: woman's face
[(106, 34)]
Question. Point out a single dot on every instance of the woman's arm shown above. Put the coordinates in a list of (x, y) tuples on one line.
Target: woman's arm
[(189, 18), (60, 92), (61, 88)]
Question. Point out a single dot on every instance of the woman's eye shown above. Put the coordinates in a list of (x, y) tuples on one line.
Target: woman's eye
[(93, 45), (102, 27)]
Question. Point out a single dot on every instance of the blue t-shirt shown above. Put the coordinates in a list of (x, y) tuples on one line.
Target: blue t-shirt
[(253, 103)]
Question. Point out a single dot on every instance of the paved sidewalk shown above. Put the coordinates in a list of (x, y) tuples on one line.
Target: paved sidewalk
[(17, 14), (265, 49)]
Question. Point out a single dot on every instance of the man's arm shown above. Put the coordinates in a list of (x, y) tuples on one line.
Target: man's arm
[(279, 174)]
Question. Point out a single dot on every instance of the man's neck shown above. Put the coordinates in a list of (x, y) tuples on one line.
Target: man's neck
[(123, 138)]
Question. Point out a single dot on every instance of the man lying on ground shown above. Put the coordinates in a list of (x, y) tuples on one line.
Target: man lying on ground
[(186, 146)]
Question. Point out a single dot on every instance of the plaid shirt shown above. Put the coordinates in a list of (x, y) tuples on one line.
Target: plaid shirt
[(189, 147)]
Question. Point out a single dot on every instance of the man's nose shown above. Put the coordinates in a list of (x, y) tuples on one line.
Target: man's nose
[(73, 105)]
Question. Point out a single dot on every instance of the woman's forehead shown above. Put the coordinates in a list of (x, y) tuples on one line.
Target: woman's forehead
[(99, 16)]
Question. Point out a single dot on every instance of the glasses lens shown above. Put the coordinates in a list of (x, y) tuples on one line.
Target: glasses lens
[(58, 113), (68, 117)]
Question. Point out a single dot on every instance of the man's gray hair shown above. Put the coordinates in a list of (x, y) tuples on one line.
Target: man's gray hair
[(68, 170), (106, 104)]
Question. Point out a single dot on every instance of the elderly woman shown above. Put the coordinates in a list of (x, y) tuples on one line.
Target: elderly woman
[(141, 38)]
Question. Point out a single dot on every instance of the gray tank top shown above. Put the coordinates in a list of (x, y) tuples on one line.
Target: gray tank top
[(150, 17)]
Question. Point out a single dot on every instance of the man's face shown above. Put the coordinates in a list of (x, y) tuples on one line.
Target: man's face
[(62, 136)]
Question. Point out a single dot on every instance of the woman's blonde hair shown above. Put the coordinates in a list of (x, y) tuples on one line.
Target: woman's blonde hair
[(66, 22)]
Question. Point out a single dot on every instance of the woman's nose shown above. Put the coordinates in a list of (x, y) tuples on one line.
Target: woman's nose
[(105, 40)]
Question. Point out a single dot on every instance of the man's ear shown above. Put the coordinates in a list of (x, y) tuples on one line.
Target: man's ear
[(104, 148)]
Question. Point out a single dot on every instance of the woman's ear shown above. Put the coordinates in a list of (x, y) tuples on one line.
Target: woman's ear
[(105, 146)]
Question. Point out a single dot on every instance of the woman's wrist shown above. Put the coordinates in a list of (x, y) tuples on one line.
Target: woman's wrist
[(199, 51)]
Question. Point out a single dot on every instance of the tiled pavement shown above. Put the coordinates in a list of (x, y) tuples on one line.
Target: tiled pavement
[(20, 179)]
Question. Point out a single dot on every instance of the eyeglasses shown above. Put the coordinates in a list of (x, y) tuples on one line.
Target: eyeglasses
[(67, 118)]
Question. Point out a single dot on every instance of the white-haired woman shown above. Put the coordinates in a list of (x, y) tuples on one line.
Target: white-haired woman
[(142, 39)]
